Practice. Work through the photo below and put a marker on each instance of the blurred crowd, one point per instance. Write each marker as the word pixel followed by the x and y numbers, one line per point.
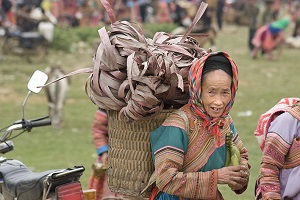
pixel 91 12
pixel 252 13
pixel 267 23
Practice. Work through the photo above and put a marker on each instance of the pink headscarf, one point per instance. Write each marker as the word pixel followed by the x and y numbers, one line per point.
pixel 265 119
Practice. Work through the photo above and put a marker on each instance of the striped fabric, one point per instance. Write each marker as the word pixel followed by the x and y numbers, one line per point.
pixel 267 117
pixel 99 129
pixel 201 143
pixel 293 157
pixel 295 110
pixel 281 153
pixel 190 170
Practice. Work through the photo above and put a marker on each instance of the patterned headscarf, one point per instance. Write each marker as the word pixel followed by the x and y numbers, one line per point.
pixel 195 80
pixel 266 118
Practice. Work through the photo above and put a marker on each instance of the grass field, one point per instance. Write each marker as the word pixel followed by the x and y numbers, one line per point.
pixel 262 83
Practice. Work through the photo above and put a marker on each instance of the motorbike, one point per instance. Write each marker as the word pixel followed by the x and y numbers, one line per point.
pixel 17 182
pixel 33 45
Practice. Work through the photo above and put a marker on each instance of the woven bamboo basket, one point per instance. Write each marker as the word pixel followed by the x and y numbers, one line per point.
pixel 129 158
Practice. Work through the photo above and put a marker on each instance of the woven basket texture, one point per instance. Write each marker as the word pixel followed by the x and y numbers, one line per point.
pixel 129 157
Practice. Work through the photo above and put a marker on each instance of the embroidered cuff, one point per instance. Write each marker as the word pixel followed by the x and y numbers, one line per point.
pixel 102 149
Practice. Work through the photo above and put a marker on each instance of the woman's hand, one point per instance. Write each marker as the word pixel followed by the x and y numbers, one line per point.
pixel 236 177
pixel 103 158
pixel 100 166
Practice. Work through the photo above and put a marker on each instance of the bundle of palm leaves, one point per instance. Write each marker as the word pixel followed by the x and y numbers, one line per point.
pixel 140 76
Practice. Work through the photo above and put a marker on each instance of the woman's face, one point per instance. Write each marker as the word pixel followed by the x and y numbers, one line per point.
pixel 216 92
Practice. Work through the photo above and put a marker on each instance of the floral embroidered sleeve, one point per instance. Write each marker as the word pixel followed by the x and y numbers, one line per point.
pixel 168 154
pixel 99 131
pixel 276 148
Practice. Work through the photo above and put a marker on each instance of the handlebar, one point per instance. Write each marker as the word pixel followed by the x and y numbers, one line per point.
pixel 32 124
pixel 25 125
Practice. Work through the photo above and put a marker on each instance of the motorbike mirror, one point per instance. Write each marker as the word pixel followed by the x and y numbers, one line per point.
pixel 38 78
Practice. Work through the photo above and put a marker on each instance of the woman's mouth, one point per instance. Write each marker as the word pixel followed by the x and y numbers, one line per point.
pixel 216 109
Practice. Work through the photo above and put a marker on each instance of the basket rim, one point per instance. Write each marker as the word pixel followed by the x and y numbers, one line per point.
pixel 125 119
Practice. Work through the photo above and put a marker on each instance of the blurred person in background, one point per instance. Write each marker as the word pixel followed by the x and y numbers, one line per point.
pixel 278 133
pixel 98 179
pixel 294 39
pixel 133 10
pixel 165 8
pixel 251 12
pixel 276 8
pixel 6 15
pixel 143 6
pixel 267 15
pixel 295 12
pixel 28 14
pixel 2 13
pixel 270 37
pixel 219 13
pixel 85 13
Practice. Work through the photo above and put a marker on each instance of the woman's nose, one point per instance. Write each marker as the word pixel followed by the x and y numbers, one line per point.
pixel 218 101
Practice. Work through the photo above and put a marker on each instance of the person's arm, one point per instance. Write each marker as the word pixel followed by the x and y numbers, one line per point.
pixel 168 162
pixel 195 185
pixel 100 133
pixel 272 162
pixel 277 145
pixel 198 185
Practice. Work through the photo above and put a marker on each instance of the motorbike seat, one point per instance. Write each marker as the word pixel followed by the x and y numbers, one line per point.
pixel 21 182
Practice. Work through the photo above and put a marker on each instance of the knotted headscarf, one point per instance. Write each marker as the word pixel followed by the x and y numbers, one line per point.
pixel 195 83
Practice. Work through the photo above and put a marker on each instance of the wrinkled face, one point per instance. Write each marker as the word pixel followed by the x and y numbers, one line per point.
pixel 216 92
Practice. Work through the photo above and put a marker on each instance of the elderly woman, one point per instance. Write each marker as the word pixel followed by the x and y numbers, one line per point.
pixel 278 134
pixel 189 156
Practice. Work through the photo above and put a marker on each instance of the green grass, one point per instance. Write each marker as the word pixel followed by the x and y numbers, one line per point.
pixel 261 84
pixel 48 148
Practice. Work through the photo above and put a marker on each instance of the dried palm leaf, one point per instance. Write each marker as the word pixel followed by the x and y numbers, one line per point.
pixel 139 76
